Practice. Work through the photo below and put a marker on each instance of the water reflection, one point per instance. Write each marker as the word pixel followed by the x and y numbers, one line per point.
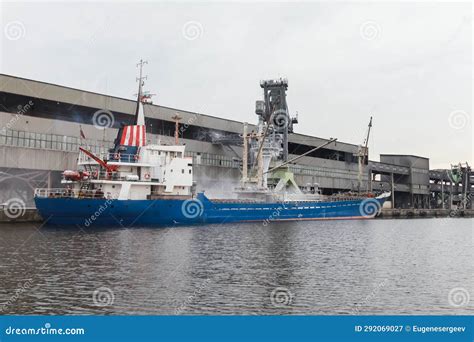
pixel 337 267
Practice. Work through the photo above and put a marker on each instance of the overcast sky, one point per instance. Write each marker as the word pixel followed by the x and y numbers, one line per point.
pixel 409 65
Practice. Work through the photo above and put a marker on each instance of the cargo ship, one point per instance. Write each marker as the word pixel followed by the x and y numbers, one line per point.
pixel 139 184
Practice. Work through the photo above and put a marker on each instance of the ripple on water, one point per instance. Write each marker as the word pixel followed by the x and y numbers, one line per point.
pixel 338 267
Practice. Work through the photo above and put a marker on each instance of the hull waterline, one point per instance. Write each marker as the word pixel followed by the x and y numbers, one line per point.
pixel 197 211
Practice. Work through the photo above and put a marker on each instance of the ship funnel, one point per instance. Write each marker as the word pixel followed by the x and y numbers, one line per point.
pixel 131 137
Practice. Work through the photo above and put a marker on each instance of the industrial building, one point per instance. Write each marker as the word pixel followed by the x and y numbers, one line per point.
pixel 42 126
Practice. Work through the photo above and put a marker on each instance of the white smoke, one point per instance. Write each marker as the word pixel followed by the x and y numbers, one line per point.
pixel 220 188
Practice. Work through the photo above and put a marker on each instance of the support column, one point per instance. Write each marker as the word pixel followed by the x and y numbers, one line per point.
pixel 442 193
pixel 451 196
pixel 369 181
pixel 245 156
pixel 260 140
pixel 392 190
pixel 465 178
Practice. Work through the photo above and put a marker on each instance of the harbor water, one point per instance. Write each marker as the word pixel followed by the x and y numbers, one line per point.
pixel 366 267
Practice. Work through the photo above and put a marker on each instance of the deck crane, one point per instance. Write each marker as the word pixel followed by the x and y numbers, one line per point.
pixel 362 155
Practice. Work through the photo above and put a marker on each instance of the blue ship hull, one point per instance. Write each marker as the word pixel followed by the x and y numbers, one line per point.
pixel 200 210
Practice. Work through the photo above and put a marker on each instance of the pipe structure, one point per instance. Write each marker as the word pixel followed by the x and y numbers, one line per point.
pixel 304 154
pixel 245 155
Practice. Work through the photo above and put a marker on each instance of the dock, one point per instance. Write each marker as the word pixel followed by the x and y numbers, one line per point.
pixel 23 216
pixel 425 213
pixel 31 215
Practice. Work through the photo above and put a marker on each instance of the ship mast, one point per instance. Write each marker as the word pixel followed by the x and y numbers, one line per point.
pixel 141 82
pixel 362 155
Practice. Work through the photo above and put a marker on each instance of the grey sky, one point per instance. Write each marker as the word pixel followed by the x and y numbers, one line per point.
pixel 409 65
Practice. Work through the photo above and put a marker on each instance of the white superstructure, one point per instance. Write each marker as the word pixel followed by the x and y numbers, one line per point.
pixel 156 170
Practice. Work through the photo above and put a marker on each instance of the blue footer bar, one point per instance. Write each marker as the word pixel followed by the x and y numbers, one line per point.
pixel 238 328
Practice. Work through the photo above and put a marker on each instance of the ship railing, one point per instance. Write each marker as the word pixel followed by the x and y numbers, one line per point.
pixel 120 157
pixel 70 193
pixel 95 175
pixel 343 198
pixel 114 176
pixel 105 175
pixel 305 198
pixel 109 157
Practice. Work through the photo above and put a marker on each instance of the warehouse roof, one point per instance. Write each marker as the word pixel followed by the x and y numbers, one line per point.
pixel 64 94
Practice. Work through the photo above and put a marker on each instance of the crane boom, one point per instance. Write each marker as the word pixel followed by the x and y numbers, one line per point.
pixel 367 138
pixel 109 168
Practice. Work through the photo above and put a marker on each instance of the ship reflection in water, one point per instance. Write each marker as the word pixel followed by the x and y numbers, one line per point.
pixel 334 267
